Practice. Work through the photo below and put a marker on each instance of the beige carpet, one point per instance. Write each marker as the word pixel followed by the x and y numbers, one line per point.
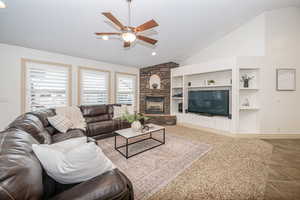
pixel 153 169
pixel 235 169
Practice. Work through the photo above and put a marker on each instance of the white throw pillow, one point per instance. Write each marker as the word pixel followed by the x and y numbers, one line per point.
pixel 69 144
pixel 72 165
pixel 129 109
pixel 118 112
pixel 61 123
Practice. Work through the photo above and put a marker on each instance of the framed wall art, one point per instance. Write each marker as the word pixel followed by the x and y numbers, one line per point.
pixel 285 79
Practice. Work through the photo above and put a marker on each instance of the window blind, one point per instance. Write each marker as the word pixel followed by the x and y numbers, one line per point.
pixel 94 87
pixel 46 86
pixel 126 85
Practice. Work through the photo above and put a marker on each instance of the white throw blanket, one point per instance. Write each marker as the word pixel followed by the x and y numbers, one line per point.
pixel 74 114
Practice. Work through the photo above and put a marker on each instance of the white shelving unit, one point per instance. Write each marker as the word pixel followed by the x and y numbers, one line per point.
pixel 249 95
pixel 249 108
pixel 249 89
pixel 249 101
pixel 177 88
pixel 198 81
pixel 226 75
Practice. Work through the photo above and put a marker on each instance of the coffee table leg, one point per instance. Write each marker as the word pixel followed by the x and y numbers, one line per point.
pixel 126 148
pixel 164 135
pixel 115 141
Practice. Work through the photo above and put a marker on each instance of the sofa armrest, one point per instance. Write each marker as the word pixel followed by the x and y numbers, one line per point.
pixel 110 185
pixel 89 139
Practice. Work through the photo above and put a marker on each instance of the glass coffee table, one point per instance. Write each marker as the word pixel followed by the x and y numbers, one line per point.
pixel 129 133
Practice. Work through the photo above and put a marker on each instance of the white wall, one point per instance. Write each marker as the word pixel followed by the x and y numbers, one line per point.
pixel 270 41
pixel 248 40
pixel 279 110
pixel 10 76
pixel 283 33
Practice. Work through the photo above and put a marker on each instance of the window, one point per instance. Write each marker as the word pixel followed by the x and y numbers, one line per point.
pixel 94 86
pixel 125 88
pixel 45 85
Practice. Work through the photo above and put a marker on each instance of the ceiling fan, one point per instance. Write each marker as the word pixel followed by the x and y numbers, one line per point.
pixel 129 33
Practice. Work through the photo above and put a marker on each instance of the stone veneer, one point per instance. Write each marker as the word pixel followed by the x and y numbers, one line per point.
pixel 164 72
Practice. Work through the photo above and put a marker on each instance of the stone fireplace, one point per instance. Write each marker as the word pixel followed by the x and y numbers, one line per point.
pixel 155 101
pixel 155 105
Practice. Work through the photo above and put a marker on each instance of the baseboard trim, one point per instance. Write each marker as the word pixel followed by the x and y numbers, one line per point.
pixel 205 129
pixel 294 135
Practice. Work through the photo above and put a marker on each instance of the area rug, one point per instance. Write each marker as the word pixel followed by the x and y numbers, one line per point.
pixel 153 169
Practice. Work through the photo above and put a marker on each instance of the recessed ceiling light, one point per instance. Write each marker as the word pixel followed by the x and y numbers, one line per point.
pixel 105 37
pixel 153 54
pixel 2 4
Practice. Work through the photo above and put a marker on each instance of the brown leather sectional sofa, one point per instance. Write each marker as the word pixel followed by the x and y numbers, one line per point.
pixel 23 178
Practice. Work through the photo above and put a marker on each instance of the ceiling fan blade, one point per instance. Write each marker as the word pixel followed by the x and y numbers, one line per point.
pixel 126 44
pixel 108 33
pixel 114 20
pixel 148 25
pixel 147 39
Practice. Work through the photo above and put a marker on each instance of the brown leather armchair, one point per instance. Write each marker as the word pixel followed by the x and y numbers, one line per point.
pixel 23 178
pixel 100 122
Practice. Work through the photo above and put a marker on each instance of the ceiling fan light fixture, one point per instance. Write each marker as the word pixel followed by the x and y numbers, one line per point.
pixel 128 37
pixel 129 33
pixel 2 4
pixel 105 37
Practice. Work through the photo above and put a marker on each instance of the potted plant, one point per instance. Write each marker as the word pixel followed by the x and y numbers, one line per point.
pixel 135 120
pixel 211 82
pixel 245 79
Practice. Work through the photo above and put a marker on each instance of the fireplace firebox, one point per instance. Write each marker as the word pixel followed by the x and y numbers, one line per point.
pixel 155 105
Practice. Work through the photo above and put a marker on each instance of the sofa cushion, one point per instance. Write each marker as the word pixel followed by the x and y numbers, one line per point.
pixel 110 185
pixel 97 128
pixel 47 137
pixel 51 130
pixel 20 170
pixel 73 133
pixel 98 118
pixel 60 123
pixel 43 115
pixel 32 125
pixel 93 110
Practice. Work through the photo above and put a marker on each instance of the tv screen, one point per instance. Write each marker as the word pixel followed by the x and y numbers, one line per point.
pixel 212 102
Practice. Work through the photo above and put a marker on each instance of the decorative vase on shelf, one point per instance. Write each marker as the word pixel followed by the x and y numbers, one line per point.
pixel 245 79
pixel 246 83
pixel 136 125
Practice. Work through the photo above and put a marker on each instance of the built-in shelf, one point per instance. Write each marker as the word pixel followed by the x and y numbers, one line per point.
pixel 177 98
pixel 245 108
pixel 209 86
pixel 249 68
pixel 248 88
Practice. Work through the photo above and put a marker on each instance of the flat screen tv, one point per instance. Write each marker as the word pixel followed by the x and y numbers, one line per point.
pixel 210 102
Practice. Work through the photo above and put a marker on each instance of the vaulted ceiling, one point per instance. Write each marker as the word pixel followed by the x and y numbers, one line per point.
pixel 67 26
